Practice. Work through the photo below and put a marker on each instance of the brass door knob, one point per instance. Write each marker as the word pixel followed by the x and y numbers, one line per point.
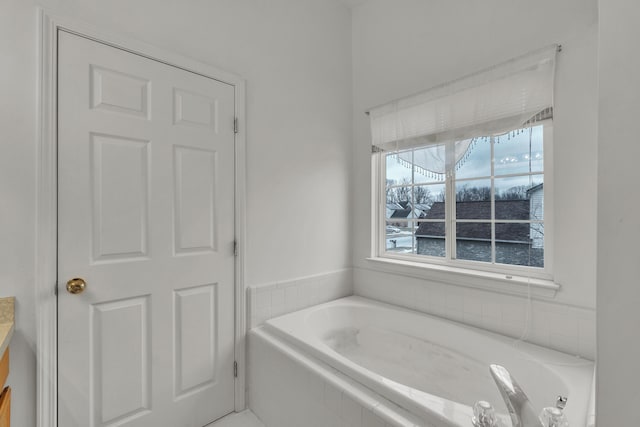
pixel 76 285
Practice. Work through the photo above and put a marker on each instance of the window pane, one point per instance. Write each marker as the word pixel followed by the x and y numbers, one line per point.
pixel 473 199
pixel 474 158
pixel 426 197
pixel 429 164
pixel 520 244
pixel 398 169
pixel 399 198
pixel 520 197
pixel 399 236
pixel 478 190
pixel 519 151
pixel 392 208
pixel 473 241
pixel 430 239
pixel 536 202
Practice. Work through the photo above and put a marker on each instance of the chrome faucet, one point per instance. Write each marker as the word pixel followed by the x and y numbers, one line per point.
pixel 520 409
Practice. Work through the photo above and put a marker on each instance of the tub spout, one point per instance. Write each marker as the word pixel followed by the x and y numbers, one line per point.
pixel 520 409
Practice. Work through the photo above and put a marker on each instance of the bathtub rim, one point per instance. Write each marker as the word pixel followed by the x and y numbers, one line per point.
pixel 374 381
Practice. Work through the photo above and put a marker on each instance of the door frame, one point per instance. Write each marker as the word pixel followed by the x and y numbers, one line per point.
pixel 46 198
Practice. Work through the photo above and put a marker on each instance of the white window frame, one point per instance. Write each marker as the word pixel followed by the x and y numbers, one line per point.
pixel 464 272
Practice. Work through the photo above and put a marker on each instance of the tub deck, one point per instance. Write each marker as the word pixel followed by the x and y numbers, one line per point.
pixel 433 367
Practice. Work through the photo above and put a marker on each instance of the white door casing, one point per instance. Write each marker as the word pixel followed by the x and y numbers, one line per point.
pixel 146 218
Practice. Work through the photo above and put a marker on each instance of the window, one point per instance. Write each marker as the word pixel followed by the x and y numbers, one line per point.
pixel 485 209
pixel 463 176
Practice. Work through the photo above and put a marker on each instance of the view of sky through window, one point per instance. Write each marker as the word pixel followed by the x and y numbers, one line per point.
pixel 498 178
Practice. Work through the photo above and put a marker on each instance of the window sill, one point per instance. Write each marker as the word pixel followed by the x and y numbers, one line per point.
pixel 496 282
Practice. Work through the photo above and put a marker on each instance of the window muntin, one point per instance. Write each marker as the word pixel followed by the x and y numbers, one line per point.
pixel 484 211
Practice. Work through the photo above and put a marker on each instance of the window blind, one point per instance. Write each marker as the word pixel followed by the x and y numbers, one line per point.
pixel 506 96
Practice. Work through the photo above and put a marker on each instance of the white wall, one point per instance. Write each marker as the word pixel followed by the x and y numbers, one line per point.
pixel 296 59
pixel 618 374
pixel 406 46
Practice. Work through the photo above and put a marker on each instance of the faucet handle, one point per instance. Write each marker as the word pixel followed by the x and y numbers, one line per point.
pixel 484 415
pixel 561 402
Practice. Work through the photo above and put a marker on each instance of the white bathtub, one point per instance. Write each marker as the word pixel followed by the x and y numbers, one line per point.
pixel 432 367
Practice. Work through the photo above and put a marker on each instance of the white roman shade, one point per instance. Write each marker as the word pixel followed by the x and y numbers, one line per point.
pixel 489 102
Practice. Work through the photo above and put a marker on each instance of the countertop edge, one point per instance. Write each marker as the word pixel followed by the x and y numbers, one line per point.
pixel 6 333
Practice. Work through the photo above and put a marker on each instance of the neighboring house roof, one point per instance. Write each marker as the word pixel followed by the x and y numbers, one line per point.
pixel 403 209
pixel 393 206
pixel 401 213
pixel 505 209
pixel 424 207
pixel 535 188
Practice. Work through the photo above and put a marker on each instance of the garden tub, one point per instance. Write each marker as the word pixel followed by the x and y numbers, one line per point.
pixel 433 367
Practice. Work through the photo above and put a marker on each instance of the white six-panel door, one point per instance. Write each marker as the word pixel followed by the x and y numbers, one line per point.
pixel 146 219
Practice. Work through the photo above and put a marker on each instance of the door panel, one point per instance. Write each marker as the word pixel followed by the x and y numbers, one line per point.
pixel 128 394
pixel 195 205
pixel 120 211
pixel 117 91
pixel 195 338
pixel 146 218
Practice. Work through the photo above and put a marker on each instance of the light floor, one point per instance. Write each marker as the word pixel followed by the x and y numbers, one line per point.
pixel 240 419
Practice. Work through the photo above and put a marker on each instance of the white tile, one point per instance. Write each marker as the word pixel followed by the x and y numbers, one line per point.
pixel 437 299
pixel 514 311
pixel 472 305
pixel 491 309
pixel 260 315
pixel 539 333
pixel 513 327
pixel 492 323
pixel 322 292
pixel 332 398
pixel 564 343
pixel 262 298
pixel 278 310
pixel 587 338
pixel 277 297
pixel 456 316
pixel 369 419
pixel 373 290
pixel 251 298
pixel 350 411
pixel 454 301
pixel 405 295
pixel 310 289
pixel 333 290
pixel 315 386
pixel 438 310
pixel 345 289
pixel 422 293
pixel 473 319
pixel 548 307
pixel 332 420
pixel 306 295
pixel 291 300
pixel 562 324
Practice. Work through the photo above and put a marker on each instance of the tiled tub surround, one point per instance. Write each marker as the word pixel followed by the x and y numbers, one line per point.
pixel 431 367
pixel 550 324
pixel 270 300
